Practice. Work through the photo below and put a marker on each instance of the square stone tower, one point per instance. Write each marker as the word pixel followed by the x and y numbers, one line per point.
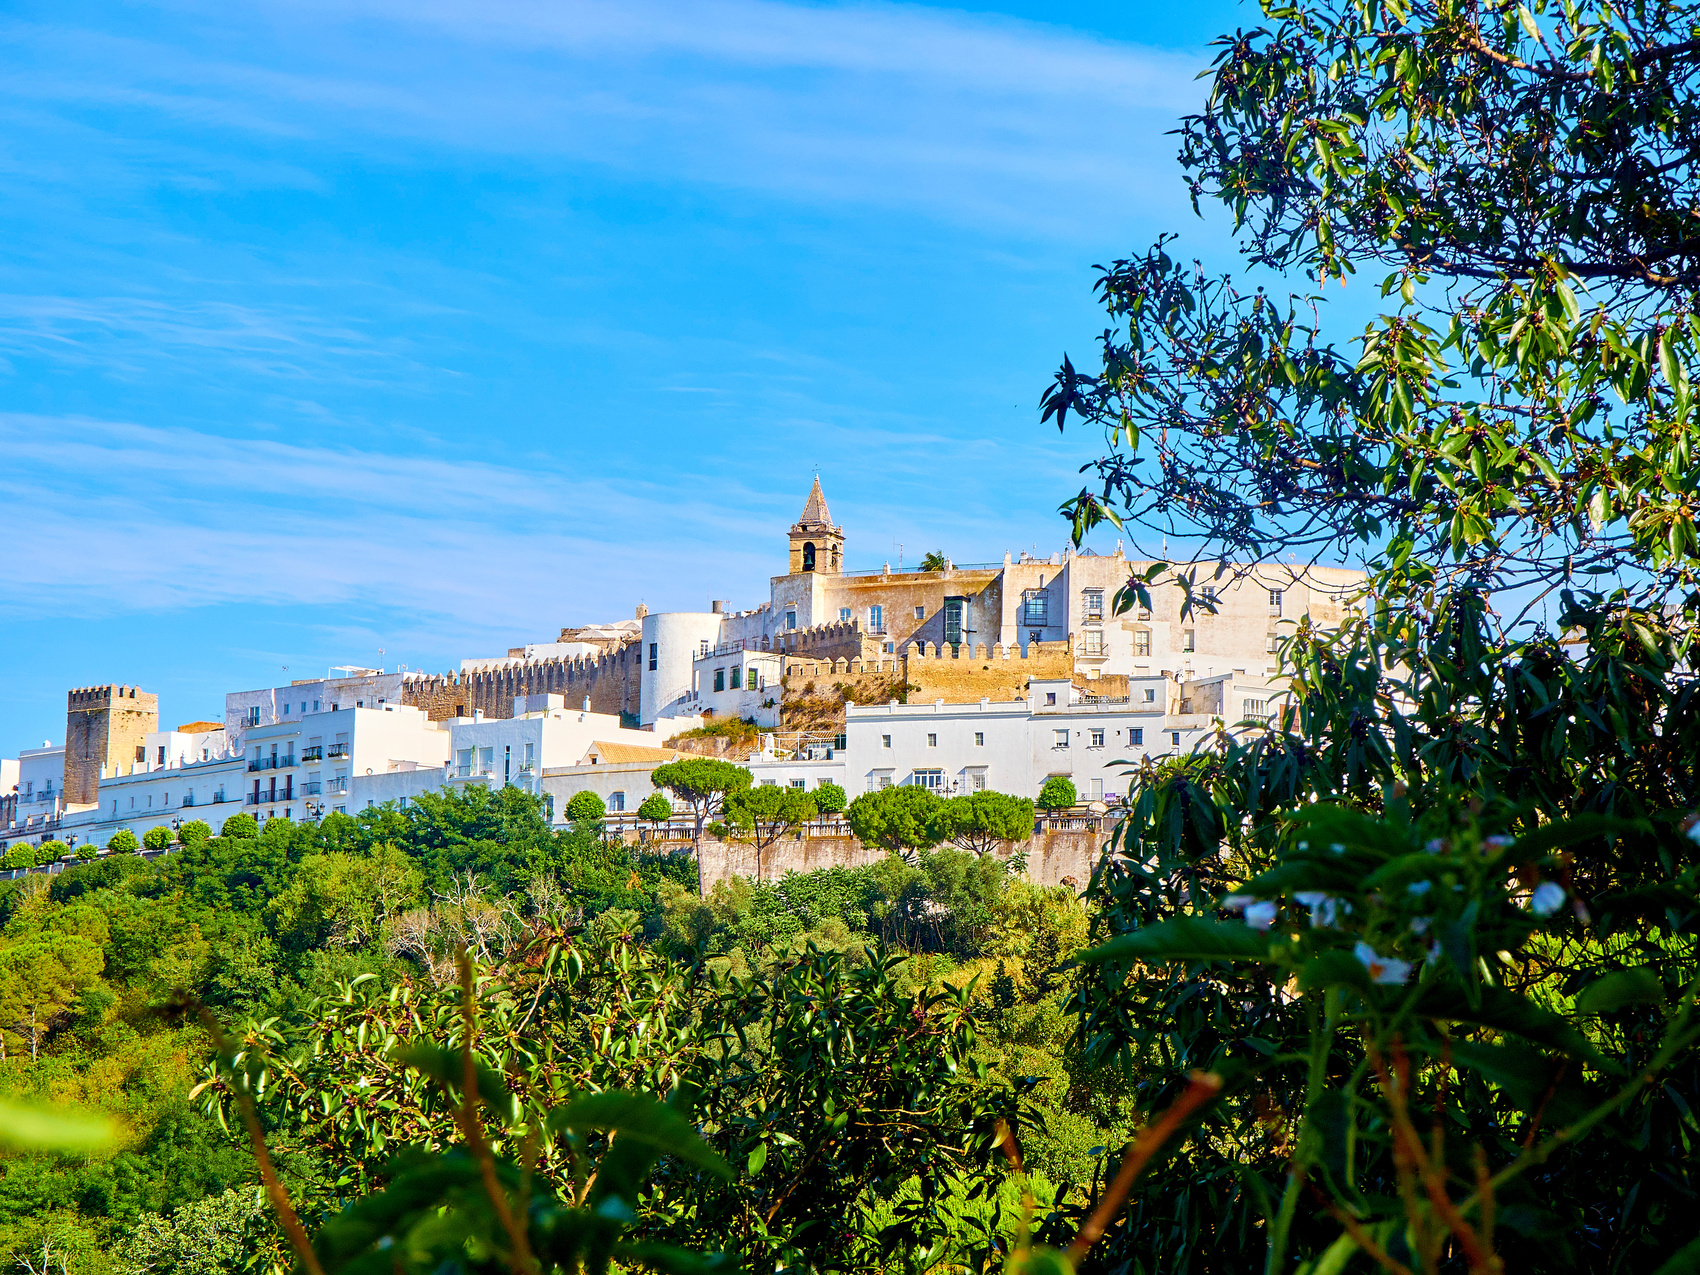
pixel 816 543
pixel 105 726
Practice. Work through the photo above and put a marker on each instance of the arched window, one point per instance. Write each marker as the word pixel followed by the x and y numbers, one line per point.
pixel 808 555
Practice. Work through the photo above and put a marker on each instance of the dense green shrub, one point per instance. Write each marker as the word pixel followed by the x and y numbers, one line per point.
pixel 194 832
pixel 830 799
pixel 655 808
pixel 157 838
pixel 586 807
pixel 122 842
pixel 242 826
pixel 1058 793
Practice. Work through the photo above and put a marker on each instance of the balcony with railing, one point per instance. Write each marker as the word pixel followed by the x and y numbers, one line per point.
pixel 1093 647
pixel 311 754
pixel 337 750
pixel 311 788
pixel 335 786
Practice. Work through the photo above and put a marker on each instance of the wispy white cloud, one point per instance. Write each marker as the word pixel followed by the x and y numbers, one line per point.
pixel 965 117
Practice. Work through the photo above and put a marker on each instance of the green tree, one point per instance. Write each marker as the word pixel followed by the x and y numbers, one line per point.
pixel 701 783
pixel 86 851
pixel 1057 793
pixel 586 807
pixel 51 851
pixel 896 819
pixel 342 900
pixel 194 832
pixel 767 813
pixel 655 808
pixel 933 562
pixel 830 799
pixel 157 838
pixel 20 854
pixel 241 826
pixel 979 821
pixel 1519 414
pixel 122 842
pixel 43 973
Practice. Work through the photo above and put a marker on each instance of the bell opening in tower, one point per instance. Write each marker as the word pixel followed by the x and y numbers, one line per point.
pixel 808 555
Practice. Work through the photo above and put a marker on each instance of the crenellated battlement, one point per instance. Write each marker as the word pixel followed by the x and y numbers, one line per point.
pixel 609 681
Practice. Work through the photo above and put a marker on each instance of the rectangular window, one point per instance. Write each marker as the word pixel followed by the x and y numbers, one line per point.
pixel 1150 694
pixel 1272 643
pixel 1144 613
pixel 1035 607
pixel 790 619
pixel 884 782
pixel 316 704
pixel 979 739
pixel 920 613
pixel 1095 789
pixel 737 678
pixel 885 741
pixel 1188 642
pixel 1050 697
pixel 1142 642
pixel 1092 603
pixel 1060 737
pixel 719 679
pixel 843 613
pixel 977 781
pixel 1257 710
pixel 1208 595
pixel 530 755
pixel 254 715
pixel 1175 738
pixel 933 779
pixel 617 802
pixel 463 763
pixel 486 760
pixel 1274 602
pixel 799 783
pixel 1138 734
pixel 1092 642
pixel 1097 737
pixel 652 650
pixel 932 741
pixel 162 754
pixel 953 621
pixel 876 619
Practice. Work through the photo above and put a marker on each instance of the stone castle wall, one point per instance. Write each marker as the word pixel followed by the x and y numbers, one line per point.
pixel 1062 857
pixel 611 682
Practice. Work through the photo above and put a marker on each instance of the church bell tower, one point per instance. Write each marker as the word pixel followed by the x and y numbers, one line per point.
pixel 816 545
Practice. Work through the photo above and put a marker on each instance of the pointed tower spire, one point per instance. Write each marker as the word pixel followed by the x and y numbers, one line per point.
pixel 815 510
pixel 816 544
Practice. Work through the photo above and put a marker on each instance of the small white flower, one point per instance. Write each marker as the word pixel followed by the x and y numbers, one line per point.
pixel 1260 915
pixel 1435 846
pixel 1547 898
pixel 1382 969
pixel 1323 909
pixel 1419 887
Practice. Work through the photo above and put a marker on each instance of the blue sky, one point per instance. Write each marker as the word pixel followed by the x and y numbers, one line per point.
pixel 431 326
